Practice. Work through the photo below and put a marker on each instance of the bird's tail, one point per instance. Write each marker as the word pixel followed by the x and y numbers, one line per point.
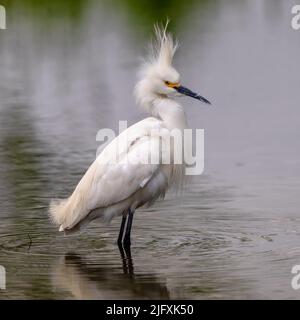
pixel 58 211
pixel 69 214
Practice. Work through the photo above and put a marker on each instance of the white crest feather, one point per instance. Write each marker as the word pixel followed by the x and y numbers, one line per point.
pixel 163 47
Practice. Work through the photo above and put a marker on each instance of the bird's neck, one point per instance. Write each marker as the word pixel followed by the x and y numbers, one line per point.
pixel 170 112
pixel 160 106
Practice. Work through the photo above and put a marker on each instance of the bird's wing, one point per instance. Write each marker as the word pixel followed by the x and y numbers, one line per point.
pixel 110 180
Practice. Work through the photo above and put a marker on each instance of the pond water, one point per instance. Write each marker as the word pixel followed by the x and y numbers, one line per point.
pixel 68 69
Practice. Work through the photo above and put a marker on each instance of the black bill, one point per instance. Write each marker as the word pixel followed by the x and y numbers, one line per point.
pixel 190 93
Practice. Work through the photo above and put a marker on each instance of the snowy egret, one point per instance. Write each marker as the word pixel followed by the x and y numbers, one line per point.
pixel 115 188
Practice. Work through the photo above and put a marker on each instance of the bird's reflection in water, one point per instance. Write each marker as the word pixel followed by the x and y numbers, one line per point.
pixel 125 252
pixel 100 280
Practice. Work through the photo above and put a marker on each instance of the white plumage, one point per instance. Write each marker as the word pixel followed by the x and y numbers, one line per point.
pixel 120 178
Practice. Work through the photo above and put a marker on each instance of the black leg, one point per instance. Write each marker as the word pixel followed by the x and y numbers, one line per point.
pixel 120 238
pixel 125 229
pixel 126 239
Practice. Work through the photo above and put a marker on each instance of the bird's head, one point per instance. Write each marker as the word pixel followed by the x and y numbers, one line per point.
pixel 158 76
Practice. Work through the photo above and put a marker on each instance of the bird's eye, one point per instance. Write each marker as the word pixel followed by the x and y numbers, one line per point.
pixel 167 83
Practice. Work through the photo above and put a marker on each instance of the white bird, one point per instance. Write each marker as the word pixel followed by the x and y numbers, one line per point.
pixel 113 185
